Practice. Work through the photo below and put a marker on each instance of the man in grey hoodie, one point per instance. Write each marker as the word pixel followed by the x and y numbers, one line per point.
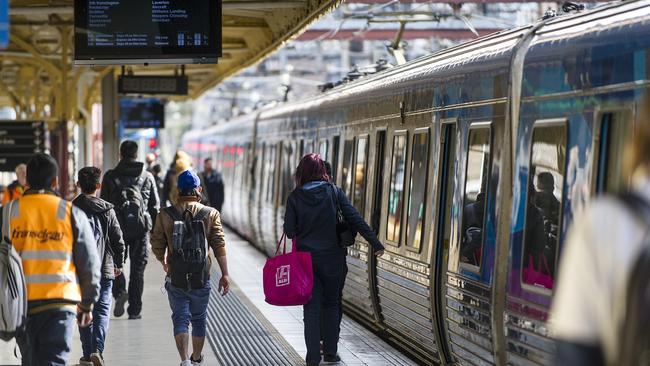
pixel 110 247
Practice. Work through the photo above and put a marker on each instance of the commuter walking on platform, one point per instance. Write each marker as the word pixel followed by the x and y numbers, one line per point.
pixel 180 241
pixel 132 190
pixel 110 248
pixel 607 253
pixel 60 263
pixel 181 163
pixel 311 218
pixel 16 188
pixel 213 184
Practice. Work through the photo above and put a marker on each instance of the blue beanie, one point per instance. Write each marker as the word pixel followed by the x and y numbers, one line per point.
pixel 187 181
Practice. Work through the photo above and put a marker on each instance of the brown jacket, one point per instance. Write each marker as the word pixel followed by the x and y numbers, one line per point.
pixel 161 239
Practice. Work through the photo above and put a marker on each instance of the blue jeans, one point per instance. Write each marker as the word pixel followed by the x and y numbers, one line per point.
pixel 94 335
pixel 189 306
pixel 48 338
pixel 322 314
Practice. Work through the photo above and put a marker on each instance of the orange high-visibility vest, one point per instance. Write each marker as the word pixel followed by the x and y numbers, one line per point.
pixel 41 232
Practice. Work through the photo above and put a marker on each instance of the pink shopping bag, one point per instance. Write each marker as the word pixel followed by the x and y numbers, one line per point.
pixel 537 276
pixel 288 278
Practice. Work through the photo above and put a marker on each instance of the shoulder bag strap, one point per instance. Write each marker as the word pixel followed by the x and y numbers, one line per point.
pixel 203 213
pixel 284 250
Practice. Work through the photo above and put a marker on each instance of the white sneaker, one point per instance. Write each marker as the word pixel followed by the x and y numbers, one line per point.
pixel 199 363
pixel 186 363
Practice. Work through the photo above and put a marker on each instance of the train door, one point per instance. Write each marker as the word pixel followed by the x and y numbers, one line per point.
pixel 448 164
pixel 468 287
pixel 358 290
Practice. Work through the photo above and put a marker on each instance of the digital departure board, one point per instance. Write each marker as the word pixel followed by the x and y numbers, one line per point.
pixel 147 31
pixel 142 113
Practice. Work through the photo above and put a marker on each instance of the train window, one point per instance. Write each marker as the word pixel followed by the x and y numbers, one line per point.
pixel 335 157
pixel 347 166
pixel 270 173
pixel 308 147
pixel 474 201
pixel 544 203
pixel 396 192
pixel 287 163
pixel 615 130
pixel 417 190
pixel 359 197
pixel 322 149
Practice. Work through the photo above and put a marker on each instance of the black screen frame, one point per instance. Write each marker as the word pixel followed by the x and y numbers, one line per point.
pixel 85 55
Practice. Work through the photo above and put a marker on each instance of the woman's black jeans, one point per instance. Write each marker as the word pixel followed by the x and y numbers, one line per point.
pixel 329 278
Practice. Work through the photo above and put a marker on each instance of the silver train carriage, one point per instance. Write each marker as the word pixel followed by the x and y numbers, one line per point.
pixel 469 163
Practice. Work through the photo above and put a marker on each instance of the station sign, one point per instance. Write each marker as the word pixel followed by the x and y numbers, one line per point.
pixel 19 141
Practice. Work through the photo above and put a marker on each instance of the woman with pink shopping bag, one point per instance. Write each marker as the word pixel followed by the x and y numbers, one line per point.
pixel 314 209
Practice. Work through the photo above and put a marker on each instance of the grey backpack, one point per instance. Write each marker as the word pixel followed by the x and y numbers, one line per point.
pixel 13 292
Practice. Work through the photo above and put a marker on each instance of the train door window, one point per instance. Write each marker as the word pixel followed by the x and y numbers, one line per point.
pixel 359 197
pixel 474 200
pixel 335 157
pixel 616 128
pixel 417 189
pixel 347 166
pixel 544 203
pixel 380 157
pixel 396 192
pixel 322 149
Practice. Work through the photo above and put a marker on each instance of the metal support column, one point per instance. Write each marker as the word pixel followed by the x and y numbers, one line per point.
pixel 110 116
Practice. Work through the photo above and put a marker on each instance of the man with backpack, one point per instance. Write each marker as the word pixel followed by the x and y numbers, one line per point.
pixel 180 241
pixel 110 248
pixel 132 190
pixel 60 268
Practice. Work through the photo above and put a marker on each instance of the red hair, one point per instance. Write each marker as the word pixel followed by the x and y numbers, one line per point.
pixel 311 168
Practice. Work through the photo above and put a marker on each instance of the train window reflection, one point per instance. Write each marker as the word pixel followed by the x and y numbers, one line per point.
pixel 396 193
pixel 322 149
pixel 417 190
pixel 615 132
pixel 347 166
pixel 359 197
pixel 543 206
pixel 474 201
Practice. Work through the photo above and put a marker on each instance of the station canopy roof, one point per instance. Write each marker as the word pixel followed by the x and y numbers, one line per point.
pixel 40 53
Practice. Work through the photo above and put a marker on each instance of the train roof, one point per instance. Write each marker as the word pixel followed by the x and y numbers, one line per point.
pixel 456 60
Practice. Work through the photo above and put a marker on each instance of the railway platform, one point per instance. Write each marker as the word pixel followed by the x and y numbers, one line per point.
pixel 243 330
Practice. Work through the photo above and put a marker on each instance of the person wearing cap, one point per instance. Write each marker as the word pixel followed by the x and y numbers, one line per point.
pixel 190 304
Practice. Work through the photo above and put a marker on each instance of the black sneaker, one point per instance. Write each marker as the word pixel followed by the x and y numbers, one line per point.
pixel 138 316
pixel 331 358
pixel 119 305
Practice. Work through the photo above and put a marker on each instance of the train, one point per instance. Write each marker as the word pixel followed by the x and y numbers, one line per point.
pixel 469 163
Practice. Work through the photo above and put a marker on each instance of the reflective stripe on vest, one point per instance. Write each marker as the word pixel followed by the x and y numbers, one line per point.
pixel 41 231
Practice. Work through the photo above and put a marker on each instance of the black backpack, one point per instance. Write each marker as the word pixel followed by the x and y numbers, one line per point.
pixel 188 259
pixel 130 206
pixel 634 339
